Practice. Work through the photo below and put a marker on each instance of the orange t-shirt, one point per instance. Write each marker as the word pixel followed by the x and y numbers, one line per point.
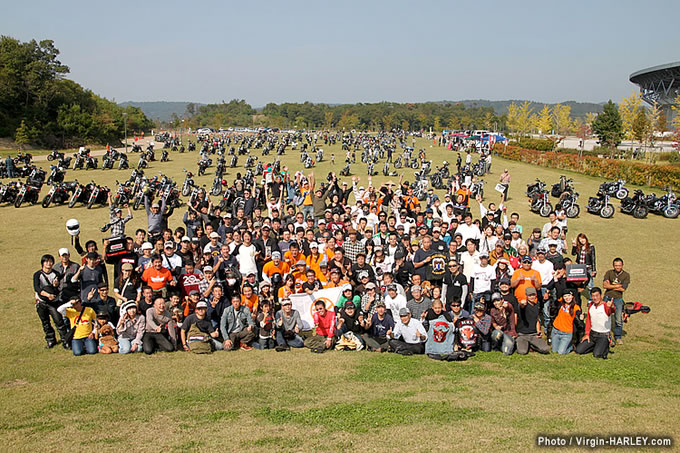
pixel 564 321
pixel 270 268
pixel 250 302
pixel 524 283
pixel 284 292
pixel 157 279
pixel 288 258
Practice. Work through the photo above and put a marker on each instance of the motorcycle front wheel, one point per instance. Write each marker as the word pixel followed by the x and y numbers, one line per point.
pixel 640 212
pixel 671 212
pixel 607 212
pixel 573 211
pixel 545 210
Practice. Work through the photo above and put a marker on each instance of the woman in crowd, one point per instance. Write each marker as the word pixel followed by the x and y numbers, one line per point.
pixel 584 253
pixel 82 320
pixel 130 329
pixel 563 324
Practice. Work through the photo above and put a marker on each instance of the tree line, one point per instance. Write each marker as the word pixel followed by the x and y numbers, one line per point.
pixel 39 105
pixel 361 116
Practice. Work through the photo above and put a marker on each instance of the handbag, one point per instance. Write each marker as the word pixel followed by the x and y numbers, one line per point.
pixel 72 331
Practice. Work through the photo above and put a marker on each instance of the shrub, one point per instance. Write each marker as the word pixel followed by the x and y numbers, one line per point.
pixel 633 172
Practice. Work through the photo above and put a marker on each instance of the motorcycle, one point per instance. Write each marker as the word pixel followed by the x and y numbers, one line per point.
pixel 188 183
pixel 203 164
pixel 234 161
pixel 108 160
pixel 91 162
pixel 56 174
pixel 79 161
pixel 600 205
pixel 59 194
pixel 371 171
pixel 564 186
pixel 27 192
pixel 319 155
pixel 55 155
pixel 8 192
pixel 535 188
pixel 635 205
pixel 615 189
pixel 123 164
pixel 541 203
pixel 165 155
pixel 397 163
pixel 143 163
pixel 98 195
pixel 568 203
pixel 81 194
pixel 217 186
pixel 477 188
pixel 345 171
pixel 64 162
pixel 664 205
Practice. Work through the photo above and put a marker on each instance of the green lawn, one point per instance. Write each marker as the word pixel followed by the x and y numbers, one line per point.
pixel 247 401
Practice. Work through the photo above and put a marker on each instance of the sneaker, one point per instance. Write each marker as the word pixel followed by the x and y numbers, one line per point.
pixel 281 348
pixel 619 341
pixel 245 347
pixel 51 345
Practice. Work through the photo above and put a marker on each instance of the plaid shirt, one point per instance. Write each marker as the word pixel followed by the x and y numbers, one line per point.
pixel 118 224
pixel 352 249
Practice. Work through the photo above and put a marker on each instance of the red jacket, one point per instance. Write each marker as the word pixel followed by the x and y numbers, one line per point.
pixel 325 325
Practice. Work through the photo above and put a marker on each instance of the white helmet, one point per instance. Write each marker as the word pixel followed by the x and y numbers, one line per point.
pixel 73 227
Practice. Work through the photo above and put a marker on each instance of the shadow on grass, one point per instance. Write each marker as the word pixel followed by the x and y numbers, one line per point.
pixel 364 416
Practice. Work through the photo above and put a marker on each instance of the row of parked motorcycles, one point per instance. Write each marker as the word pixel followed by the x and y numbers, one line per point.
pixel 638 205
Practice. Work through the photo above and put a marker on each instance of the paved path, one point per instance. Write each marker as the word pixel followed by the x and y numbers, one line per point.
pixel 100 152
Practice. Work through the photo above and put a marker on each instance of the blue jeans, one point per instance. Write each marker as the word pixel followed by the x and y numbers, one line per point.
pixel 124 346
pixel 82 345
pixel 561 341
pixel 296 342
pixel 618 316
pixel 546 307
pixel 263 343
pixel 503 341
pixel 307 211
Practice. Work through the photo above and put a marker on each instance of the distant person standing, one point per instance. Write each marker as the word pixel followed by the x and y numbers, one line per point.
pixel 505 182
pixel 616 281
pixel 9 165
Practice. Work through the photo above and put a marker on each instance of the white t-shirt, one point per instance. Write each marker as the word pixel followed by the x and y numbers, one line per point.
pixel 482 277
pixel 395 304
pixel 546 270
pixel 246 259
pixel 469 263
pixel 469 232
pixel 408 333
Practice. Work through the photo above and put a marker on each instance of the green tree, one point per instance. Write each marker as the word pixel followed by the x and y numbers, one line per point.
pixel 437 127
pixel 22 137
pixel 608 126
pixel 328 120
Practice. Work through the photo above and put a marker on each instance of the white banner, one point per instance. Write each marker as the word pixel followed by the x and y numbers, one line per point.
pixel 304 304
pixel 500 188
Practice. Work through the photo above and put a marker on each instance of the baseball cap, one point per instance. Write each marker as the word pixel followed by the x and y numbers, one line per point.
pixel 541 250
pixel 391 287
pixel 170 245
pixel 155 205
pixel 504 281
pixel 404 311
pixel 313 245
pixel 207 268
pixel 194 292
pixel 436 229
pixel 530 291
pixel 496 296
pixel 301 263
pixel 214 235
pixel 507 236
pixel 276 255
pixel 266 227
pixel 370 285
pixel 186 239
pixel 63 251
pixel 349 305
pixel 380 304
pixel 127 267
pixel 416 288
pixel 483 255
pixel 500 244
pixel 321 221
pixel 479 306
pixel 201 304
pixel 147 246
pixel 526 259
pixel 553 243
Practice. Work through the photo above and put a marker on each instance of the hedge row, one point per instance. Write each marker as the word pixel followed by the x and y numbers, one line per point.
pixel 540 144
pixel 633 172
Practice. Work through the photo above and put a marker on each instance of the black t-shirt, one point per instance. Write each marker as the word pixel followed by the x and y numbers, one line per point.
pixel 316 286
pixel 454 287
pixel 204 325
pixel 403 274
pixel 419 256
pixel 351 322
pixel 380 327
pixel 526 318
pixel 440 246
pixel 510 298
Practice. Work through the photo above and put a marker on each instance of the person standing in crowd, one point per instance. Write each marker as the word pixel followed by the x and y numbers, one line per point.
pixel 616 282
pixel 46 286
pixel 584 253
pixel 82 319
pixel 504 181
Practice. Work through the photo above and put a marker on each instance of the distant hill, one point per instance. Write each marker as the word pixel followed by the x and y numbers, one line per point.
pixel 160 110
pixel 578 109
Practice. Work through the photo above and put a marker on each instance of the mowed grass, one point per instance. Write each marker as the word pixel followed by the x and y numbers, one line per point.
pixel 244 401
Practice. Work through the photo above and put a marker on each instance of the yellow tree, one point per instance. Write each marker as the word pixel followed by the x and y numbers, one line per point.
pixel 676 109
pixel 653 115
pixel 437 127
pixel 628 110
pixel 544 120
pixel 488 121
pixel 519 118
pixel 590 117
pixel 328 120
pixel 561 116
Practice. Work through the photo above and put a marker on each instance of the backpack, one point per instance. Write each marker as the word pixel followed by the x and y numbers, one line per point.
pixel 198 342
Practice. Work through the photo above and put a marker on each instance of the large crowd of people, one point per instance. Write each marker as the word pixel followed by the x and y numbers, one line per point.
pixel 437 276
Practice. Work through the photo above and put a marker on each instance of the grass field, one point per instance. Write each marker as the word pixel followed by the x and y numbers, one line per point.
pixel 298 401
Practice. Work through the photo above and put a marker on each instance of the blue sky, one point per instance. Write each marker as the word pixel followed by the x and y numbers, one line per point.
pixel 353 51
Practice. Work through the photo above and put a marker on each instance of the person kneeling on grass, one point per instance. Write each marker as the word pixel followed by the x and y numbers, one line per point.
pixel 408 335
pixel 598 325
pixel 324 323
pixel 198 334
pixel 82 319
pixel 288 326
pixel 265 324
pixel 160 332
pixel 130 329
pixel 237 326
pixel 441 334
pixel 528 324
pixel 379 327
